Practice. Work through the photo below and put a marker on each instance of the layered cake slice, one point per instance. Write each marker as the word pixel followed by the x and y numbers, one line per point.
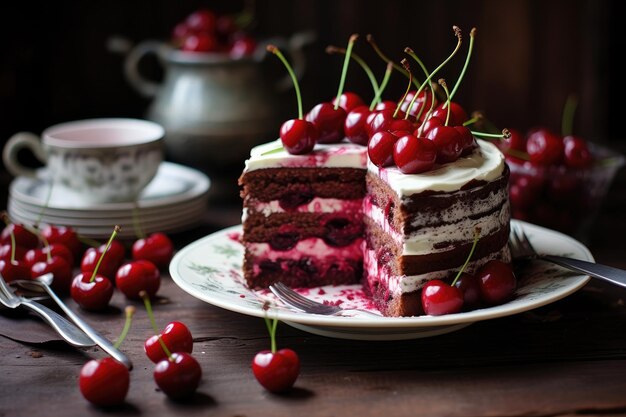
pixel 302 215
pixel 421 227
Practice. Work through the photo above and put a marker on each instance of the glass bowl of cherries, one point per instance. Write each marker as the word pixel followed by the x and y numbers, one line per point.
pixel 558 181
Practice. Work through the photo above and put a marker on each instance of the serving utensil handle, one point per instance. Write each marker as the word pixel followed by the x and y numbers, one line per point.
pixel 604 272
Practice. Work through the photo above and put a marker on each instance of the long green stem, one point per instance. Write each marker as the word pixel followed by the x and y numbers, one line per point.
pixel 467 60
pixel 457 33
pixel 443 84
pixel 273 49
pixel 504 135
pixel 358 60
pixel 383 85
pixel 116 230
pixel 406 66
pixel 344 70
pixel 385 58
pixel 148 305
pixel 476 235
pixel 130 310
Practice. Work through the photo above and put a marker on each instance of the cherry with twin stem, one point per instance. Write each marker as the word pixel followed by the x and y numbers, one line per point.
pixel 59 264
pixel 276 370
pixel 178 374
pixel 13 269
pixel 105 382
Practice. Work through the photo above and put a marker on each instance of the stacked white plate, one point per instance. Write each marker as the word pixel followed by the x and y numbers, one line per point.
pixel 175 200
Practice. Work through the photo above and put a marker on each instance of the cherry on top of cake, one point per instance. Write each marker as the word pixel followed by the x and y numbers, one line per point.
pixel 416 134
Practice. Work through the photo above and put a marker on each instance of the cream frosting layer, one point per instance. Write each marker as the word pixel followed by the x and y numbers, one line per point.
pixel 337 155
pixel 426 239
pixel 486 163
pixel 312 247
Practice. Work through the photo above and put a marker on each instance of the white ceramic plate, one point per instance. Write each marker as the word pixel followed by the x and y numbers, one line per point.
pixel 210 270
pixel 173 184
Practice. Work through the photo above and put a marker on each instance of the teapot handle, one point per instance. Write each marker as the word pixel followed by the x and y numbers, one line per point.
pixel 144 86
pixel 294 46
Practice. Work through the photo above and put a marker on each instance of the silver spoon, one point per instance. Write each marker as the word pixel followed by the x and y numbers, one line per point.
pixel 44 282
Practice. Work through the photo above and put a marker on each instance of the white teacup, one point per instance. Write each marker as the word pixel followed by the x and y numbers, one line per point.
pixel 105 160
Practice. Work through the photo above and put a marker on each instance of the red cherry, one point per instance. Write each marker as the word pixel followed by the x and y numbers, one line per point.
pixel 116 253
pixel 414 155
pixel 448 142
pixel 57 266
pixel 386 105
pixel 430 124
pixel 91 295
pixel 64 235
pixel 298 136
pixel 201 21
pixel 468 284
pixel 176 337
pixel 328 121
pixel 523 192
pixel 278 371
pixel 576 152
pixel 108 266
pixel 384 121
pixel 33 256
pixel 156 248
pixel 516 142
pixel 458 116
pixel 23 237
pixel 355 126
pixel 424 99
pixel 497 282
pixel 349 101
pixel 380 148
pixel 179 376
pixel 200 42
pixel 242 47
pixel 544 147
pixel 439 298
pixel 20 252
pixel 14 270
pixel 467 140
pixel 104 382
pixel 137 276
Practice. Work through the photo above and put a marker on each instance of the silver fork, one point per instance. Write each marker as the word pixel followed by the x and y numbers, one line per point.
pixel 522 249
pixel 72 334
pixel 292 298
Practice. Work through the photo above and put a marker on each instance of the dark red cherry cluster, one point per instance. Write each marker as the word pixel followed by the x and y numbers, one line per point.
pixel 552 179
pixel 493 284
pixel 27 253
pixel 205 31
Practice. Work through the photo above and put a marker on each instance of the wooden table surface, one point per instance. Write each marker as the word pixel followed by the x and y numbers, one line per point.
pixel 566 358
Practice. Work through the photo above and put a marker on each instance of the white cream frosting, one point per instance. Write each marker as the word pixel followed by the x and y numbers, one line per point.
pixel 486 163
pixel 337 155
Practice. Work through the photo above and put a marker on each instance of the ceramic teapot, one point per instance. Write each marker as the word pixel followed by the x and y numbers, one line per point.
pixel 214 108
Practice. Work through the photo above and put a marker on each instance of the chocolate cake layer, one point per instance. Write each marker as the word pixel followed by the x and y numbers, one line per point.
pixel 280 183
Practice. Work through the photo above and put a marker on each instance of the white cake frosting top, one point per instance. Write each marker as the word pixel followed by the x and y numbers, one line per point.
pixel 486 163
pixel 337 155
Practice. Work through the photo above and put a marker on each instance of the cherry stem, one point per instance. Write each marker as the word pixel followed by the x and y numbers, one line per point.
pixel 273 49
pixel 146 302
pixel 383 85
pixel 567 120
pixel 116 230
pixel 137 223
pixel 406 66
pixel 504 135
pixel 379 52
pixel 7 221
pixel 443 84
pixel 476 117
pixel 344 70
pixel 458 274
pixel 457 33
pixel 336 50
pixel 413 55
pixel 467 60
pixel 271 328
pixel 130 310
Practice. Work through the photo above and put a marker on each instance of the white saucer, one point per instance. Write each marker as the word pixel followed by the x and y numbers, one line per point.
pixel 175 200
pixel 210 270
